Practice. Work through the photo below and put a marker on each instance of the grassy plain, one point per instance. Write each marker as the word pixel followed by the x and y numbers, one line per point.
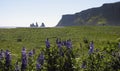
pixel 14 39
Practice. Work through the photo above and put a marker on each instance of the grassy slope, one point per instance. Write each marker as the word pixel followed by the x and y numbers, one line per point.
pixel 35 37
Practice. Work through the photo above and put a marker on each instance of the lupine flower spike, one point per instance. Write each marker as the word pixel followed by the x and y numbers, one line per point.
pixel 47 43
pixel 91 47
pixel 7 59
pixel 40 59
pixel 17 67
pixel 24 59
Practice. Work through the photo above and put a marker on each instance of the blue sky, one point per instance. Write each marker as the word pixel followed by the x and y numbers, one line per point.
pixel 24 12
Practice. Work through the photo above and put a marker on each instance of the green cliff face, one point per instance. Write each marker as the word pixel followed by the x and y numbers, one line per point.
pixel 107 14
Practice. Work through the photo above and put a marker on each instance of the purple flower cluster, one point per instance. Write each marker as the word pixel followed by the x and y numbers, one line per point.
pixel 24 59
pixel 66 43
pixel 2 54
pixel 7 59
pixel 38 67
pixel 59 43
pixel 40 61
pixel 30 54
pixel 84 64
pixel 47 43
pixel 91 47
pixel 17 67
pixel 69 44
pixel 27 58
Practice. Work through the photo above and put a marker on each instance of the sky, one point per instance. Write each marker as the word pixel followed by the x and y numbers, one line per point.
pixel 22 13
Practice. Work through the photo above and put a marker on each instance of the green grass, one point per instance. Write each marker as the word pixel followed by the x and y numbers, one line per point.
pixel 35 38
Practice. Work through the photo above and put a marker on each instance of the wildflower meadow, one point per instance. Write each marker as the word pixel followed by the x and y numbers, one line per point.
pixel 84 48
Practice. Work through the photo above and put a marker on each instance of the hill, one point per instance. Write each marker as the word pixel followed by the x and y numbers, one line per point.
pixel 107 14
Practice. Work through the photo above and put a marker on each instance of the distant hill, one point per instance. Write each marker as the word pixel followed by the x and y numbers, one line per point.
pixel 107 14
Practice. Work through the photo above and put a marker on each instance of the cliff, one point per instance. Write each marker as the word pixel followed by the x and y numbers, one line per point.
pixel 107 14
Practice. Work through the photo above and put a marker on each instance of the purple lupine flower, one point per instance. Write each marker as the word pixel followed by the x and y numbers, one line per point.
pixel 1 54
pixel 40 58
pixel 7 59
pixel 69 44
pixel 38 67
pixel 1 57
pixel 47 43
pixel 84 64
pixel 24 64
pixel 30 54
pixel 91 47
pixel 24 55
pixel 59 44
pixel 17 67
pixel 64 43
pixel 24 59
pixel 60 48
pixel 23 52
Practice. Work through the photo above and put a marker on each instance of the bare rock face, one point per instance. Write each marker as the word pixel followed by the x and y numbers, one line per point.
pixel 33 25
pixel 42 25
pixel 107 14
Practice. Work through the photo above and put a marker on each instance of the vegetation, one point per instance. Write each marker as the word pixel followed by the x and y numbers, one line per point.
pixel 31 42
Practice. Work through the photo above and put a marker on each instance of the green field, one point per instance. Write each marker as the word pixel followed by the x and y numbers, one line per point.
pixel 105 38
